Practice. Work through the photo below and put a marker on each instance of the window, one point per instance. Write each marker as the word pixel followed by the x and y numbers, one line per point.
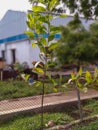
pixel 13 51
pixel 3 54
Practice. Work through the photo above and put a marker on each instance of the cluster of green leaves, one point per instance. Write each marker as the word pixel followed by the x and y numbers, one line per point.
pixel 39 23
pixel 77 80
pixel 92 79
pixel 78 45
pixel 83 80
pixel 89 8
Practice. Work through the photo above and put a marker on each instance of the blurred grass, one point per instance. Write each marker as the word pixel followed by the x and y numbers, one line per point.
pixel 33 122
pixel 18 88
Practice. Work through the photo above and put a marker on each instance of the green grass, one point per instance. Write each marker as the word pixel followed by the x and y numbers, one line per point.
pixel 92 106
pixel 15 89
pixel 91 126
pixel 33 122
pixel 18 88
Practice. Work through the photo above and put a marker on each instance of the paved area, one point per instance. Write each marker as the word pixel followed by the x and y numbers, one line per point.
pixel 8 107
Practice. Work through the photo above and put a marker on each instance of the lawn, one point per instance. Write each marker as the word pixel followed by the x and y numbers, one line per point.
pixel 18 88
pixel 91 126
pixel 33 122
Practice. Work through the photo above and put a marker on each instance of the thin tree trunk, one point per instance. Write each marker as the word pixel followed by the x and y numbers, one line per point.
pixel 42 107
pixel 79 104
pixel 78 96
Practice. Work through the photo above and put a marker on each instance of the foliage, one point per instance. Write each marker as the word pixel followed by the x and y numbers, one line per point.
pixel 78 44
pixel 92 106
pixel 39 23
pixel 92 79
pixel 33 122
pixel 79 80
pixel 16 89
pixel 88 8
pixel 91 126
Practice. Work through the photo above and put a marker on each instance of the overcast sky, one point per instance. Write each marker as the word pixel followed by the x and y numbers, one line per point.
pixel 20 5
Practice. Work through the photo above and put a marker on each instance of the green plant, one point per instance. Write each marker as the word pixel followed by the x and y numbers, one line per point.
pixel 91 126
pixel 17 89
pixel 39 23
pixel 33 122
pixel 78 81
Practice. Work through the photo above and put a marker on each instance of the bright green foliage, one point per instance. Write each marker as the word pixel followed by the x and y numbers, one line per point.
pixel 92 79
pixel 39 23
pixel 84 81
pixel 78 80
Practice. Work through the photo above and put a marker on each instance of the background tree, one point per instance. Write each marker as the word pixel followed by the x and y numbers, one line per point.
pixel 88 8
pixel 72 43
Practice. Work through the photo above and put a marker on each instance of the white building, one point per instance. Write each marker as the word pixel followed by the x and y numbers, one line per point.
pixel 14 44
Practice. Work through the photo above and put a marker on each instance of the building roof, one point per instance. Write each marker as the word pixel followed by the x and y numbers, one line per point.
pixel 13 23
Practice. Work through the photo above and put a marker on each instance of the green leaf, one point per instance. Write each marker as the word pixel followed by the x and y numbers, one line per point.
pixel 55 89
pixel 88 77
pixel 30 25
pixel 80 71
pixel 43 41
pixel 65 85
pixel 49 76
pixel 51 37
pixel 50 17
pixel 38 70
pixel 61 78
pixel 85 90
pixel 79 85
pixel 55 29
pixel 41 47
pixel 54 82
pixel 53 46
pixel 31 19
pixel 33 45
pixel 77 76
pixel 30 34
pixel 38 9
pixel 27 76
pixel 38 84
pixel 73 76
pixel 95 73
pixel 52 4
pixel 63 15
pixel 43 19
